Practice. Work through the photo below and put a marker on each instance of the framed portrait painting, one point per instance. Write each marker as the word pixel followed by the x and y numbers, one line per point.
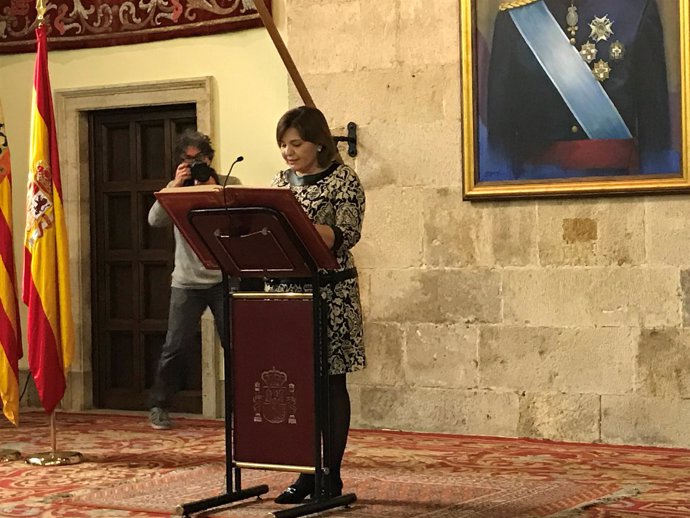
pixel 574 97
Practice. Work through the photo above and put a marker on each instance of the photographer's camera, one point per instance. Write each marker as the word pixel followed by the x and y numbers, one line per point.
pixel 200 171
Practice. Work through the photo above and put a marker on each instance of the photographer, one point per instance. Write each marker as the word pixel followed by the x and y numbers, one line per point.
pixel 194 288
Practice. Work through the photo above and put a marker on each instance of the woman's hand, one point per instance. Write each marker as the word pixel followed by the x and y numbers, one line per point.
pixel 326 234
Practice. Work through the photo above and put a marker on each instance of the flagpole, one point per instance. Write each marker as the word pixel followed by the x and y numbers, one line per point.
pixel 53 457
pixel 53 433
pixel 270 25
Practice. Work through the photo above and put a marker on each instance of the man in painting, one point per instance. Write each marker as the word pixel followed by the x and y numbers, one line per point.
pixel 578 88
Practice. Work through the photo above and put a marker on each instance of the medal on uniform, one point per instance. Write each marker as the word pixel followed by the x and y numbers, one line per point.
pixel 588 52
pixel 571 19
pixel 616 51
pixel 601 70
pixel 601 28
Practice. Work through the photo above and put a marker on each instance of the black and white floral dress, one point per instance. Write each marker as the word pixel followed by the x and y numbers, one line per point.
pixel 335 198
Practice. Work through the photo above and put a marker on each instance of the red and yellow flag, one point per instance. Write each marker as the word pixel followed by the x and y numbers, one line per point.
pixel 46 290
pixel 10 332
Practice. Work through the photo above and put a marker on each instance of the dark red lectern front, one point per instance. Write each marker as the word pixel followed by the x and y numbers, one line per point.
pixel 276 404
pixel 274 387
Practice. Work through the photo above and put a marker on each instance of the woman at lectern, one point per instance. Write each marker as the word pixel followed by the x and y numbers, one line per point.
pixel 333 198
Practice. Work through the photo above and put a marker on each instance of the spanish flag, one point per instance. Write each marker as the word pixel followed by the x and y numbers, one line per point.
pixel 10 332
pixel 46 290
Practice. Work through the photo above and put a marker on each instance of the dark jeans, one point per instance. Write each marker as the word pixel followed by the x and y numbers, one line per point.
pixel 186 308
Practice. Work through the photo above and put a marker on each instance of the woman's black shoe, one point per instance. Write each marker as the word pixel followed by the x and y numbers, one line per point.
pixel 298 491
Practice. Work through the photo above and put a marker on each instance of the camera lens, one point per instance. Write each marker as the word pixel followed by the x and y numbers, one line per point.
pixel 201 171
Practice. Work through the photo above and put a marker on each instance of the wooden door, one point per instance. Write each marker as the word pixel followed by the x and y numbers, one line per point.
pixel 132 155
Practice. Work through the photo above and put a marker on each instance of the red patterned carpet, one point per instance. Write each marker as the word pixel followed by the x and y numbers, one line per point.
pixel 129 466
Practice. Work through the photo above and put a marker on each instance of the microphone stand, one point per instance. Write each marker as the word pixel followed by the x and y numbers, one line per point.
pixel 225 182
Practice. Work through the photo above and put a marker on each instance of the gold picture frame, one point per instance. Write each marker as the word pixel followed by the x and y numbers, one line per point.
pixel 515 138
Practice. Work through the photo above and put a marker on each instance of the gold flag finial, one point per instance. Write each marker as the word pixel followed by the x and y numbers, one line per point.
pixel 40 11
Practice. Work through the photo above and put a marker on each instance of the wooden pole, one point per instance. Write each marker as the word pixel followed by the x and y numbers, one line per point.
pixel 284 54
pixel 270 25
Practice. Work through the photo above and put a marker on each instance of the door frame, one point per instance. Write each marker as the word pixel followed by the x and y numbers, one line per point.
pixel 72 107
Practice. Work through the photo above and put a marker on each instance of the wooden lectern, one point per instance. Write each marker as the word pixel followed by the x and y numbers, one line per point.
pixel 276 387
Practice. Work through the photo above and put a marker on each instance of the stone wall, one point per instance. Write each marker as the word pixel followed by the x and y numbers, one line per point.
pixel 559 319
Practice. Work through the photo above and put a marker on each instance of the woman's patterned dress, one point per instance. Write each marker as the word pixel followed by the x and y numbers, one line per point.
pixel 335 198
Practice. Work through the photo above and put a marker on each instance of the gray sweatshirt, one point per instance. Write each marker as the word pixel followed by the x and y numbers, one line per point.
pixel 189 272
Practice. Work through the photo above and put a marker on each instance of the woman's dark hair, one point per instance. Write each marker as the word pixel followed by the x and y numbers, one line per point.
pixel 311 125
pixel 197 139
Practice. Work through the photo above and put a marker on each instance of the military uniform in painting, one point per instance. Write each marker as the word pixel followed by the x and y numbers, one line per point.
pixel 335 198
pixel 578 88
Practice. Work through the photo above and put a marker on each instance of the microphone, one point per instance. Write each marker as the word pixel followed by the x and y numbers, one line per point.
pixel 225 202
pixel 238 159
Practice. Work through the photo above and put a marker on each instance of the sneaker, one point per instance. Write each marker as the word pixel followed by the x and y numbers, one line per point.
pixel 159 419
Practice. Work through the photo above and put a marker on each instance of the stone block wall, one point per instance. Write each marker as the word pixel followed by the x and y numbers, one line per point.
pixel 560 319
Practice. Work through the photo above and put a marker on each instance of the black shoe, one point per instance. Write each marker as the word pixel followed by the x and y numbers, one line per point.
pixel 298 491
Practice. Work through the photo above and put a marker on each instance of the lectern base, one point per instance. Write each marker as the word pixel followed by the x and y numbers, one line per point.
pixel 217 501
pixel 315 507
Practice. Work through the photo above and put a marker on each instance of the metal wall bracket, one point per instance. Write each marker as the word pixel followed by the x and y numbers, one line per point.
pixel 351 139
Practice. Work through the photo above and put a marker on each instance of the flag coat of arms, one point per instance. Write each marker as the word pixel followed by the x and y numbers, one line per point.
pixel 10 331
pixel 46 281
